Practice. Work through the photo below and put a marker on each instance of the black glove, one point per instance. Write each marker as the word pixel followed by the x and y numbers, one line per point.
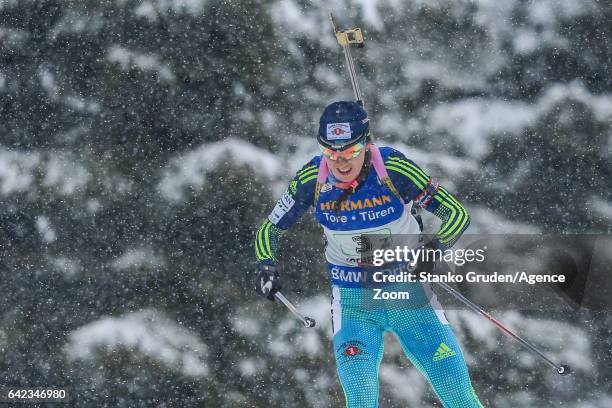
pixel 267 282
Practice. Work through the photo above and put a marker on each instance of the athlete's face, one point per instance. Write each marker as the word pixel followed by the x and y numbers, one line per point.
pixel 347 170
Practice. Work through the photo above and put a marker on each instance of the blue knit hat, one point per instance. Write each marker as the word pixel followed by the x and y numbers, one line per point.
pixel 343 124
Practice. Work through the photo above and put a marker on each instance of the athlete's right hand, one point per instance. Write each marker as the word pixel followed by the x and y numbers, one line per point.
pixel 267 282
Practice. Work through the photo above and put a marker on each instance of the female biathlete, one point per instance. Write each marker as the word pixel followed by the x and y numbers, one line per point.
pixel 358 190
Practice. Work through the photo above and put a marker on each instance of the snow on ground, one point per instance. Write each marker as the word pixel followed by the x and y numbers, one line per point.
pixel 147 332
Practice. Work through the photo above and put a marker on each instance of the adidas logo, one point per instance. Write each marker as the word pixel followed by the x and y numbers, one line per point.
pixel 443 352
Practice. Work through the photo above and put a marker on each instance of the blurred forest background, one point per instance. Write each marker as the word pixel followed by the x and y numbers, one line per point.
pixel 142 143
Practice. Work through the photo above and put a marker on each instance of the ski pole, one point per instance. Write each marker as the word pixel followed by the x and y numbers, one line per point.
pixel 345 39
pixel 307 321
pixel 562 369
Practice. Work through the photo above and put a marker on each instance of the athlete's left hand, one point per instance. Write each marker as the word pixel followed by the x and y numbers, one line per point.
pixel 267 281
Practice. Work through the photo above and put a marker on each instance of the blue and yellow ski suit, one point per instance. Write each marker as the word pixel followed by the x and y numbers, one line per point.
pixel 359 322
